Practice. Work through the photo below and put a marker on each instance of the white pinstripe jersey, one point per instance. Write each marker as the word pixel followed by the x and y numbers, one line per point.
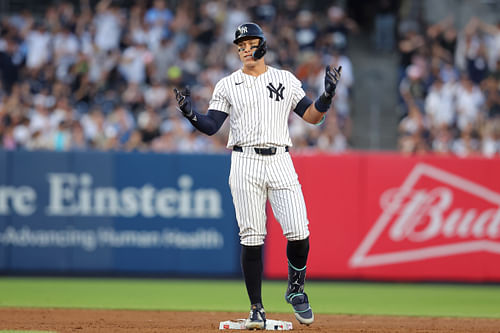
pixel 258 107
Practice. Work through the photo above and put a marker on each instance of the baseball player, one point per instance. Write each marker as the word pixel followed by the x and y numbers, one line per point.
pixel 258 100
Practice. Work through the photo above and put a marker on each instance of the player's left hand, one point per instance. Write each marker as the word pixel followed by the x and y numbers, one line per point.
pixel 184 101
pixel 332 77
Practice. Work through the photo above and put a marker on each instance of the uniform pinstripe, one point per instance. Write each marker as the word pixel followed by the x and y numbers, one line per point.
pixel 258 109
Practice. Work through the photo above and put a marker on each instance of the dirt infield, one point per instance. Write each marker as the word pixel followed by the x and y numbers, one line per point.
pixel 76 320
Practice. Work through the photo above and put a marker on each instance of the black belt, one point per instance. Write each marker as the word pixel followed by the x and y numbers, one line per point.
pixel 261 151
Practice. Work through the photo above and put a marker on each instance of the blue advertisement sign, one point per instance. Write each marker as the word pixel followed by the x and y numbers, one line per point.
pixel 118 213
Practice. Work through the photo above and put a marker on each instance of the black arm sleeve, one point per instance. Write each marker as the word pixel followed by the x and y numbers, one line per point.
pixel 208 123
pixel 302 106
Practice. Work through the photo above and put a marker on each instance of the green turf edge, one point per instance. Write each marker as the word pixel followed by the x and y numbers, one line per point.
pixel 435 300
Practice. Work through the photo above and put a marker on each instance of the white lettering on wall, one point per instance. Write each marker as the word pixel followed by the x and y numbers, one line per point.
pixel 76 195
pixel 18 200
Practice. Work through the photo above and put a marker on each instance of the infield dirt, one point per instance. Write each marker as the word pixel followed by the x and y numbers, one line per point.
pixel 81 320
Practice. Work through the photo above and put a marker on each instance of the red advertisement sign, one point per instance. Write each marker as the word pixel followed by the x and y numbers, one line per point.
pixel 390 217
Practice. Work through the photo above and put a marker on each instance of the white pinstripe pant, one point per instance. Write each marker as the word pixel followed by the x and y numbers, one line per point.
pixel 254 179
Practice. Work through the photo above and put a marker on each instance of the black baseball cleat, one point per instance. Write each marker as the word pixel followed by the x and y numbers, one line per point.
pixel 257 318
pixel 301 307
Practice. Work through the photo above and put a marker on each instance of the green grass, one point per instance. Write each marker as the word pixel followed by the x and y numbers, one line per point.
pixel 230 295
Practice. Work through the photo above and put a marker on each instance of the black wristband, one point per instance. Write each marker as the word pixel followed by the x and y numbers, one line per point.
pixel 190 115
pixel 323 102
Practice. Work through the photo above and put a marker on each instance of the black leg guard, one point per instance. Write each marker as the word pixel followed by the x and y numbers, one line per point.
pixel 251 265
pixel 297 252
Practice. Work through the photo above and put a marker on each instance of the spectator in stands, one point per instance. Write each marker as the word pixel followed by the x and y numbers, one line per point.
pixel 135 143
pixel 443 35
pixel 442 140
pixel 9 68
pixel 413 88
pixel 159 17
pixel 264 11
pixel 491 34
pixel 149 125
pixel 134 61
pixel 94 126
pixel 78 140
pixel 477 63
pixel 40 116
pixel 38 47
pixel 411 43
pixel 108 22
pixel 60 139
pixel 439 105
pixel 165 57
pixel 491 88
pixel 21 131
pixel 65 51
pixel 338 27
pixel 332 138
pixel 466 144
pixel 413 130
pixel 306 32
pixel 460 111
pixel 166 142
pixel 9 142
pixel 469 104
pixel 133 96
pixel 122 123
pixel 490 138
pixel 204 30
pixel 495 73
pixel 100 77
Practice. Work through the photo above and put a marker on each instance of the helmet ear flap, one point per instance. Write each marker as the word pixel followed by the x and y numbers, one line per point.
pixel 261 50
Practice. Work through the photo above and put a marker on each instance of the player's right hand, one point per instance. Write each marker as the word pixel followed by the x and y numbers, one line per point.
pixel 184 102
pixel 332 77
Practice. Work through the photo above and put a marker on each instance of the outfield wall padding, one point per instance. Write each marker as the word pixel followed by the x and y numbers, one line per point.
pixel 373 216
pixel 85 212
pixel 383 216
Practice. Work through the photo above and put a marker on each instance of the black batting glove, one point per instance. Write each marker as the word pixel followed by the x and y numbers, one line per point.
pixel 332 77
pixel 184 102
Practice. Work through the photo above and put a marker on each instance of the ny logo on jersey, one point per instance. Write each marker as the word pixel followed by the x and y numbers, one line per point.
pixel 243 29
pixel 278 92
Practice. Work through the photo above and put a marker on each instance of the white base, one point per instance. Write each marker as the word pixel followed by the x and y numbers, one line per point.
pixel 271 325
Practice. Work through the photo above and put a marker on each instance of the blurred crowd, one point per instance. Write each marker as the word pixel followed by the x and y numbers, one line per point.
pixel 101 77
pixel 449 87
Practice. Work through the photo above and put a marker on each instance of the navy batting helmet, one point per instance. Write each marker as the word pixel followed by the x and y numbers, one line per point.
pixel 250 29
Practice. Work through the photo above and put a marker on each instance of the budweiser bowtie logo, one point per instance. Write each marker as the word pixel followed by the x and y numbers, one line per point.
pixel 433 214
